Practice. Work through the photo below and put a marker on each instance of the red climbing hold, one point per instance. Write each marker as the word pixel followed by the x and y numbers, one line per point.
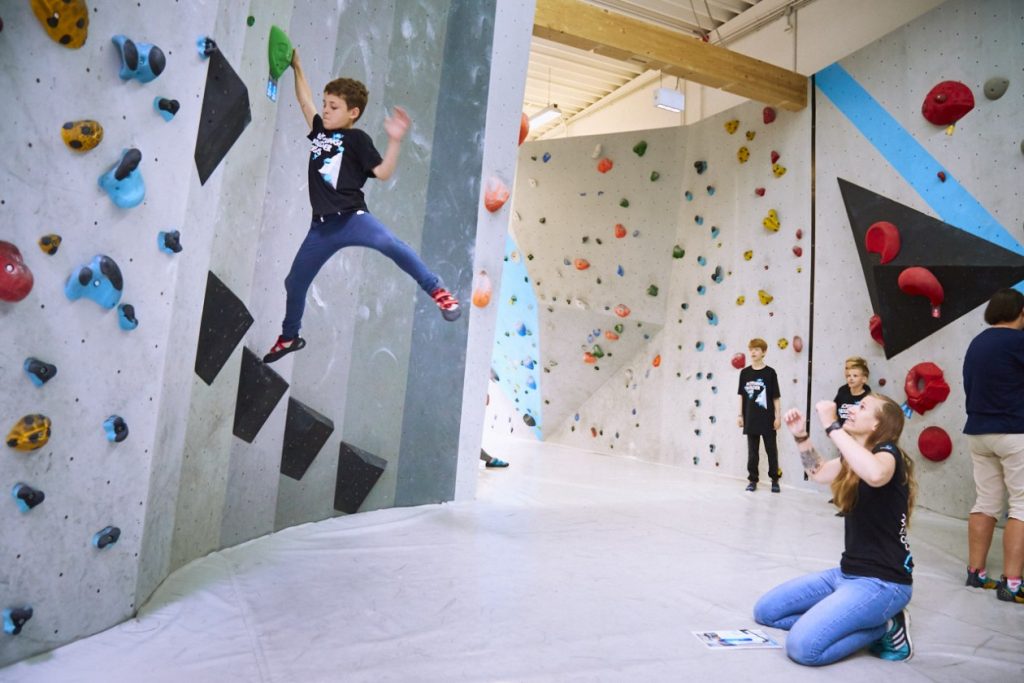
pixel 798 251
pixel 496 194
pixel 581 264
pixel 947 103
pixel 739 361
pixel 935 444
pixel 620 230
pixel 883 238
pixel 524 127
pixel 798 343
pixel 918 281
pixel 942 176
pixel 15 278
pixel 775 156
pixel 875 326
pixel 593 432
pixel 926 387
pixel 759 191
pixel 604 165
pixel 799 233
pixel 768 115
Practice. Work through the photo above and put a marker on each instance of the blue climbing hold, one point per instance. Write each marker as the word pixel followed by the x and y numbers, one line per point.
pixel 699 220
pixel 546 157
pixel 700 346
pixel 126 317
pixel 141 61
pixel 39 372
pixel 712 318
pixel 106 537
pixel 521 330
pixel 688 195
pixel 715 232
pixel 123 182
pixel 167 108
pixel 115 428
pixel 619 271
pixel 531 383
pixel 702 261
pixel 700 166
pixel 27 497
pixel 100 281
pixel 15 618
pixel 701 289
pixel 576 417
pixel 717 276
pixel 721 346
pixel 711 190
pixel 700 375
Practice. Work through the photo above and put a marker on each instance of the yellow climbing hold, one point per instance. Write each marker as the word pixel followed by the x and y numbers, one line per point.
pixel 29 433
pixel 732 126
pixel 765 297
pixel 783 343
pixel 778 170
pixel 743 155
pixel 81 136
pixel 748 254
pixel 740 300
pixel 771 221
pixel 65 21
pixel 751 135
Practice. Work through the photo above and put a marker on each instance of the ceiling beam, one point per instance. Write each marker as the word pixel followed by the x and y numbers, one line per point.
pixel 584 26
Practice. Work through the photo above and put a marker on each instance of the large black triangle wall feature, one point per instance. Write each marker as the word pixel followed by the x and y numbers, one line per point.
pixel 969 268
pixel 358 472
pixel 259 390
pixel 225 115
pixel 305 433
pixel 225 321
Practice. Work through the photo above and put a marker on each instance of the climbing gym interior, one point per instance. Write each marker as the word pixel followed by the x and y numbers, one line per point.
pixel 838 179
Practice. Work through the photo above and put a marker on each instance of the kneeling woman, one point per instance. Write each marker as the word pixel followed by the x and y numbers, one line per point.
pixel 834 613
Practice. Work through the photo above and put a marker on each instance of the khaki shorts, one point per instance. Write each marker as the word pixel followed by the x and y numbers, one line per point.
pixel 998 473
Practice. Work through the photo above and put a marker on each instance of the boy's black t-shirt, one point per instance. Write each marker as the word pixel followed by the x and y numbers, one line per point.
pixel 340 161
pixel 876 528
pixel 758 388
pixel 846 400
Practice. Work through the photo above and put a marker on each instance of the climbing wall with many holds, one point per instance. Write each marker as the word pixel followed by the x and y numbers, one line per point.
pixel 947 181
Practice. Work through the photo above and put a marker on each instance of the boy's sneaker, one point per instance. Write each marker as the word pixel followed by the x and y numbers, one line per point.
pixel 895 645
pixel 282 347
pixel 448 304
pixel 975 581
pixel 751 486
pixel 775 487
pixel 1004 594
pixel 496 462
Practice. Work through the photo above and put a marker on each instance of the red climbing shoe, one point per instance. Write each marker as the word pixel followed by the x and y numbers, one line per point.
pixel 448 304
pixel 282 347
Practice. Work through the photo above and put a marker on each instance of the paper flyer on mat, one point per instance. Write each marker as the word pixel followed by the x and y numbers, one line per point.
pixel 741 639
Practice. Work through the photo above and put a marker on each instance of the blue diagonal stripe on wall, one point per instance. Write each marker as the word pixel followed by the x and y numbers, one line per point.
pixel 950 200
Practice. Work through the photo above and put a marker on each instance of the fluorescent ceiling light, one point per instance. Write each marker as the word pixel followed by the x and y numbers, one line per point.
pixel 669 100
pixel 545 115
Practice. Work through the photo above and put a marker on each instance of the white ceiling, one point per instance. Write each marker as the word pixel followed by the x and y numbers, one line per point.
pixel 575 79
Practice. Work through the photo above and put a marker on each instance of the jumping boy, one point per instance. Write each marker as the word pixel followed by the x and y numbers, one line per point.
pixel 760 413
pixel 341 159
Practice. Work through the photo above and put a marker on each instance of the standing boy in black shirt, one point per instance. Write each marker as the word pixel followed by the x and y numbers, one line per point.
pixel 759 413
pixel 341 159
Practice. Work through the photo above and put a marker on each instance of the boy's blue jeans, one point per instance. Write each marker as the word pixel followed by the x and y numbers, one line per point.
pixel 830 615
pixel 332 233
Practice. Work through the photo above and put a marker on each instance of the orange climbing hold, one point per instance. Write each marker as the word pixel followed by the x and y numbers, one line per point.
pixel 581 264
pixel 482 290
pixel 589 358
pixel 620 230
pixel 604 165
pixel 918 281
pixel 657 360
pixel 496 194
pixel 524 127
pixel 883 238
pixel 611 336
pixel 622 311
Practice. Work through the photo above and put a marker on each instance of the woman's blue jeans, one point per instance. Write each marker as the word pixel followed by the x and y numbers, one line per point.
pixel 335 232
pixel 830 615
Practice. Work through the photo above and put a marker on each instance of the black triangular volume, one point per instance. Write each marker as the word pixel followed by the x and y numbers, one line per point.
pixel 968 267
pixel 225 321
pixel 225 115
pixel 358 472
pixel 305 433
pixel 259 390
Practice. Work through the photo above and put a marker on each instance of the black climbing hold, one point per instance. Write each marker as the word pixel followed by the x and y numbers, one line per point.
pixel 126 317
pixel 259 391
pixel 27 497
pixel 129 162
pixel 700 166
pixel 529 420
pixel 106 537
pixel 305 433
pixel 15 618
pixel 115 428
pixel 130 54
pixel 224 323
pixel 39 371
pixel 494 376
pixel 169 242
pixel 358 472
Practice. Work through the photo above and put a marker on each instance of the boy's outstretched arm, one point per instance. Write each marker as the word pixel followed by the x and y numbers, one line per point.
pixel 302 92
pixel 396 126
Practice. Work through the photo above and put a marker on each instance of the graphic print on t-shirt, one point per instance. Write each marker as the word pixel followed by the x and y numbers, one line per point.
pixel 756 392
pixel 332 149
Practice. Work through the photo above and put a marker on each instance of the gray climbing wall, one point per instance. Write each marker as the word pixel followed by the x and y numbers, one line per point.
pixel 201 468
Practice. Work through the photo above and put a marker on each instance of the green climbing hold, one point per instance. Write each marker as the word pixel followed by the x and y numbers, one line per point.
pixel 640 148
pixel 279 50
pixel 619 327
pixel 624 203
pixel 654 176
pixel 251 20
pixel 678 252
pixel 652 290
pixel 597 351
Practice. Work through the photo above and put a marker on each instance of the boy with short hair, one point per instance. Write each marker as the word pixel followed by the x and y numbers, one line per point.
pixel 341 159
pixel 760 413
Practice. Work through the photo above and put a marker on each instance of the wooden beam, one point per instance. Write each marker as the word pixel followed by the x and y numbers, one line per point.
pixel 587 27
